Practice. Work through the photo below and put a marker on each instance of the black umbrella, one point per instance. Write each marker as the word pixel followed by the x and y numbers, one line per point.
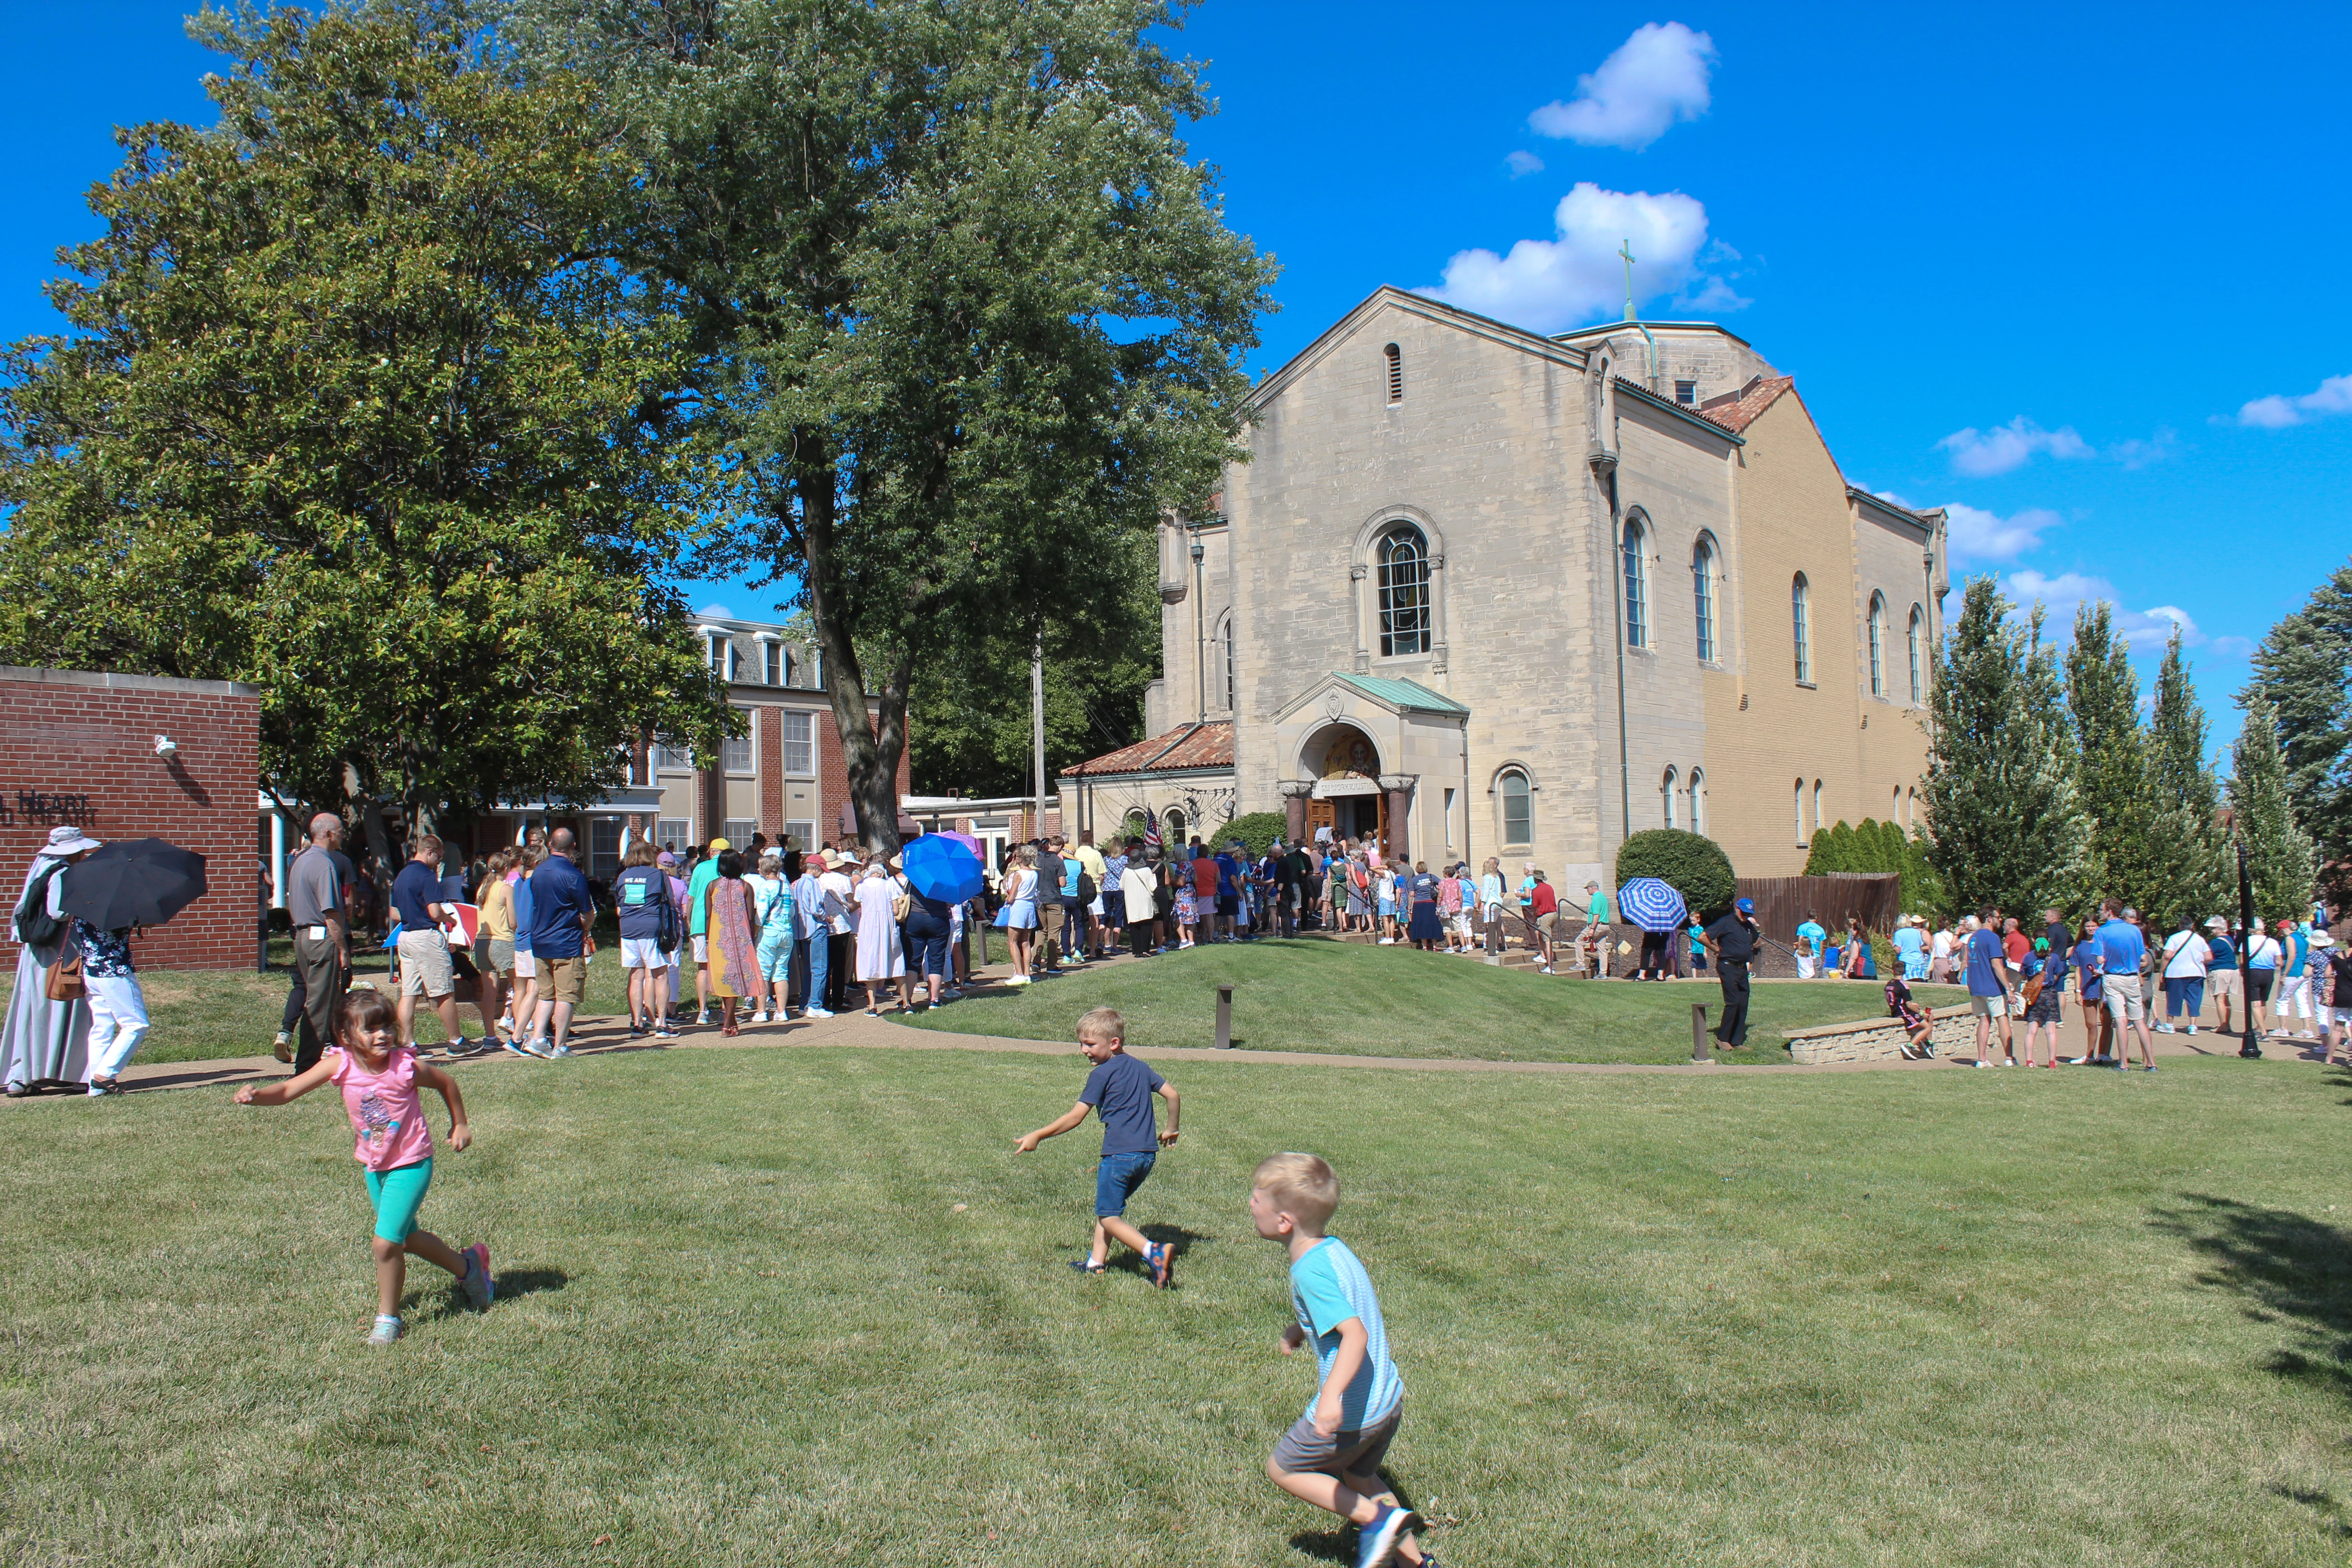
pixel 134 882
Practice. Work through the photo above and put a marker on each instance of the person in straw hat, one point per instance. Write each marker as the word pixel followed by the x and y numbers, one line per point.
pixel 45 1042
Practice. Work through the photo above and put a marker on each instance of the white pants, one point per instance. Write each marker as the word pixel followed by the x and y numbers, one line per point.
pixel 118 1022
pixel 2294 991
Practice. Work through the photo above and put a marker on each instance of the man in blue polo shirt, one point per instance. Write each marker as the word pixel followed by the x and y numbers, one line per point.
pixel 561 915
pixel 1988 978
pixel 2121 950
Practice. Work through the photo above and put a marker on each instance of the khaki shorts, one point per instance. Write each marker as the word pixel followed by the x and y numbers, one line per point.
pixel 425 965
pixel 2222 983
pixel 564 979
pixel 2119 994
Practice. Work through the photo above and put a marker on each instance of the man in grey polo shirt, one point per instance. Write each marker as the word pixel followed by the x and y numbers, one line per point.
pixel 323 937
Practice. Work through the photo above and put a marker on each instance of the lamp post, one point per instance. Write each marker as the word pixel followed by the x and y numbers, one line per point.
pixel 2251 1046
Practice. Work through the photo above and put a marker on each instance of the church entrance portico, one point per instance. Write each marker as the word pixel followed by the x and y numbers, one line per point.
pixel 1355 748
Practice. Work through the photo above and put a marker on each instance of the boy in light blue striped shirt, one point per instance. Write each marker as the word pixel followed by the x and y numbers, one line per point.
pixel 1331 1457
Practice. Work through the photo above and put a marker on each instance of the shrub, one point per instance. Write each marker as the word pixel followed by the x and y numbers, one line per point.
pixel 1258 830
pixel 1691 865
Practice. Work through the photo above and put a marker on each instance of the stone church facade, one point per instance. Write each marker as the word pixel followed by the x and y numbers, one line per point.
pixel 1482 592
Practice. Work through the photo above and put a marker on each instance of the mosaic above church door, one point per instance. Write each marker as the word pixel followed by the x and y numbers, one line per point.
pixel 1351 754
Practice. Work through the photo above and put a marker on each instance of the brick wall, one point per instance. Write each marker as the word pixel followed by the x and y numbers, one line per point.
pixel 91 737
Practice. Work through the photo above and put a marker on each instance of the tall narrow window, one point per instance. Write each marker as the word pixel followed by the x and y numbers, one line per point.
pixel 1919 641
pixel 1667 797
pixel 1802 839
pixel 1878 644
pixel 1698 800
pixel 1637 588
pixel 1519 813
pixel 1396 374
pixel 773 655
pixel 1229 664
pixel 1818 823
pixel 1798 594
pixel 736 750
pixel 1404 591
pixel 800 744
pixel 1703 597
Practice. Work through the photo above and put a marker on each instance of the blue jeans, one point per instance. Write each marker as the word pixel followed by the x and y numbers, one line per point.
pixel 2186 992
pixel 1116 1180
pixel 820 949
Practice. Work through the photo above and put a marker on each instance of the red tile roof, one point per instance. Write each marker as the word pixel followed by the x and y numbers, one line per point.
pixel 1209 745
pixel 1737 411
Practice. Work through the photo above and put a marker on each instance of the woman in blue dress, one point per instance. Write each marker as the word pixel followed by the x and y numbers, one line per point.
pixel 1020 913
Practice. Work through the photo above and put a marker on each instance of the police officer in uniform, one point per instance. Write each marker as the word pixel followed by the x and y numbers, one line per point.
pixel 1732 941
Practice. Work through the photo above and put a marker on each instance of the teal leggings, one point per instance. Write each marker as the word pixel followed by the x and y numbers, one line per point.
pixel 397 1195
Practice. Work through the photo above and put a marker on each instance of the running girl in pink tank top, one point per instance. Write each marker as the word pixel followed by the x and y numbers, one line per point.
pixel 380 1080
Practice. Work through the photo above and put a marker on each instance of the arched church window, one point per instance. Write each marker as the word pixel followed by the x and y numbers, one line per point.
pixel 1703 597
pixel 1802 839
pixel 1404 591
pixel 1175 830
pixel 1878 644
pixel 1229 663
pixel 1919 641
pixel 1396 374
pixel 1667 796
pixel 1698 800
pixel 1798 596
pixel 1518 808
pixel 1637 585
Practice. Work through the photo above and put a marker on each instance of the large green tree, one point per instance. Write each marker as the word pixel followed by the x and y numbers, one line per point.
pixel 2180 859
pixel 2279 859
pixel 2111 774
pixel 2304 672
pixel 967 318
pixel 2008 826
pixel 346 413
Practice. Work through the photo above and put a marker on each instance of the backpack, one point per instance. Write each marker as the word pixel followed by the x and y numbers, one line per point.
pixel 669 925
pixel 36 927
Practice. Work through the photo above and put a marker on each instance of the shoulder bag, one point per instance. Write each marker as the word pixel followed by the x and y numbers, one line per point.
pixel 64 979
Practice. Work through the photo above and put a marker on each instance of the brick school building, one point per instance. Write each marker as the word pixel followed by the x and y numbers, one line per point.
pixel 138 756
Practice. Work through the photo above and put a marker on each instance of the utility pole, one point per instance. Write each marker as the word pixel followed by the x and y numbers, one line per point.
pixel 1037 720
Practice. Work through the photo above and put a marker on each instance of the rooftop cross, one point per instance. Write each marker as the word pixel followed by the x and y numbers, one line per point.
pixel 1626 249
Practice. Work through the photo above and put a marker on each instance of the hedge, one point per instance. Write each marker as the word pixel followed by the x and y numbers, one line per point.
pixel 1691 864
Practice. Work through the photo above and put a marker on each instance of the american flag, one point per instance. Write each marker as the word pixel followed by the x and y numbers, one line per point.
pixel 1151 840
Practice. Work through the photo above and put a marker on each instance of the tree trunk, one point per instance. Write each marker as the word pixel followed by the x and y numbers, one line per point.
pixel 871 744
pixel 362 803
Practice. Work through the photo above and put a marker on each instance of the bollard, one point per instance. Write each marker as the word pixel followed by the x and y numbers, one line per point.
pixel 1224 1017
pixel 1699 1053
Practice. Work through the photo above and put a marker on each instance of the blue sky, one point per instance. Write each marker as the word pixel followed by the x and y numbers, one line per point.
pixel 2074 270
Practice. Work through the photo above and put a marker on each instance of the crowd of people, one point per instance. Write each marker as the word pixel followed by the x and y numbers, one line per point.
pixel 2285 978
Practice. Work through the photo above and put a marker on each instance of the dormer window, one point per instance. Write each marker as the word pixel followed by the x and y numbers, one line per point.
pixel 1396 374
pixel 1686 394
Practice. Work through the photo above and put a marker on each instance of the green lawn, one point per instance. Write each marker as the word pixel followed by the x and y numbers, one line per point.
pixel 1315 994
pixel 1743 1319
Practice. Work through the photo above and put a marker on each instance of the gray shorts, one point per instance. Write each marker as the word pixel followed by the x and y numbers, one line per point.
pixel 1305 1451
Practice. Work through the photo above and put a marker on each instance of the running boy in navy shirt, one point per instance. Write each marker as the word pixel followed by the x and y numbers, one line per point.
pixel 1120 1089
pixel 1331 1456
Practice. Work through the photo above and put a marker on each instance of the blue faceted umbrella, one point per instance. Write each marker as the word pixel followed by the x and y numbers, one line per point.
pixel 939 868
pixel 1653 905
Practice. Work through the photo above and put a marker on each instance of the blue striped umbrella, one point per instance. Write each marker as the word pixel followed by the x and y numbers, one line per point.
pixel 1652 904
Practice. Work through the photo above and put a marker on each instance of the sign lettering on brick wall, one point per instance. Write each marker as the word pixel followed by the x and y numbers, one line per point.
pixel 44 808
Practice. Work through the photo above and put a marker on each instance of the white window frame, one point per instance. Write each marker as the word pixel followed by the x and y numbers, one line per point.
pixel 1877 644
pixel 800 752
pixel 738 754
pixel 1635 567
pixel 1666 787
pixel 1917 638
pixel 1800 623
pixel 1703 597
pixel 1502 807
pixel 1698 801
pixel 674 833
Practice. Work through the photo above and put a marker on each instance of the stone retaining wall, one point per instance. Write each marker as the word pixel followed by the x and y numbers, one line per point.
pixel 1876 1039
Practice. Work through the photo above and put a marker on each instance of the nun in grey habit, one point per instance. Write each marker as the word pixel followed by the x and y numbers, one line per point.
pixel 45 1042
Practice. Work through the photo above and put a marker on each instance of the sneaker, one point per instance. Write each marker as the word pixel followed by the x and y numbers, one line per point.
pixel 662 1031
pixel 539 1046
pixel 283 1046
pixel 706 1017
pixel 759 1017
pixel 559 1053
pixel 513 1046
pixel 1009 980
pixel 1085 1265
pixel 1160 1256
pixel 1376 1543
pixel 2150 1067
pixel 2192 1028
pixel 950 995
pixel 2165 1029
pixel 2010 1063
pixel 476 1283
pixel 387 1331
pixel 1982 1063
pixel 636 1030
pixel 815 1013
pixel 1546 970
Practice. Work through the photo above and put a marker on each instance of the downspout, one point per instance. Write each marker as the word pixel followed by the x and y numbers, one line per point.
pixel 1656 382
pixel 1617 595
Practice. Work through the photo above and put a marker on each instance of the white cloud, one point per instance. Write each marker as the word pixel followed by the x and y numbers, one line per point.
pixel 1980 454
pixel 1549 284
pixel 1710 295
pixel 2146 630
pixel 2276 412
pixel 1977 536
pixel 2139 454
pixel 1656 76
pixel 1522 163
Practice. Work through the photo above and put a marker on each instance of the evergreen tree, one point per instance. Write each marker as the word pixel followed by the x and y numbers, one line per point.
pixel 2103 701
pixel 2279 857
pixel 2008 828
pixel 2303 670
pixel 1842 854
pixel 1823 860
pixel 2186 863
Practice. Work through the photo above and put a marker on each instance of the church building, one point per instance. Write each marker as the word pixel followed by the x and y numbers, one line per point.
pixel 1481 592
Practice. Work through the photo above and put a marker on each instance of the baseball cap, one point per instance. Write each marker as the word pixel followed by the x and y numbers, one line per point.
pixel 665 858
pixel 1746 905
pixel 719 844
